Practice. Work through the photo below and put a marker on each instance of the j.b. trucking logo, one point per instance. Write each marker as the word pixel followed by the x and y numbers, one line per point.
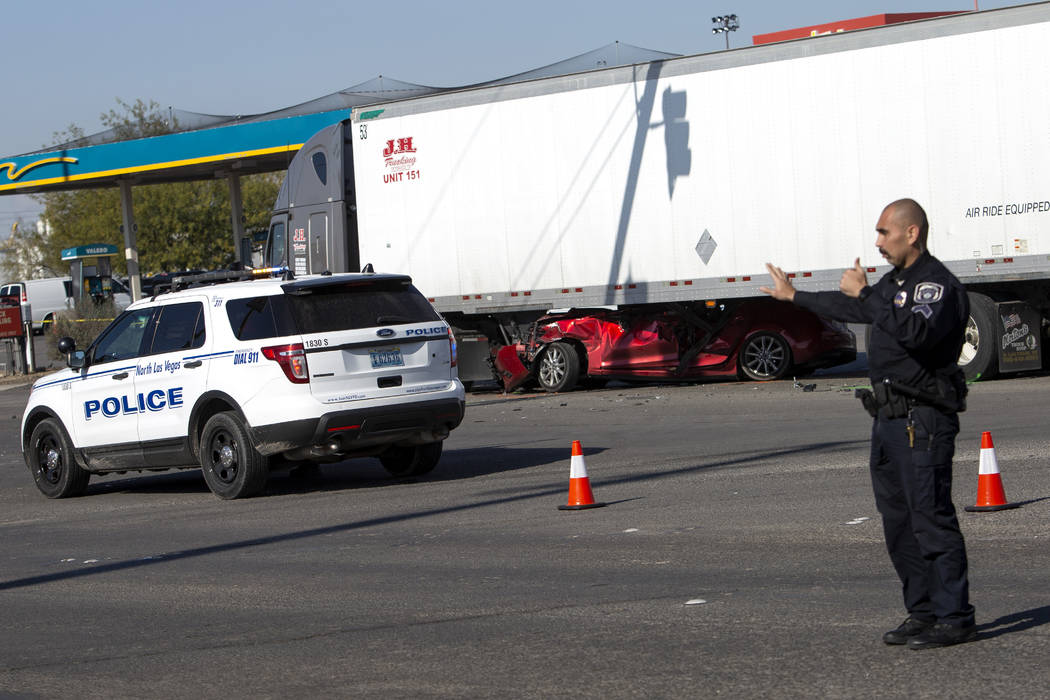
pixel 399 156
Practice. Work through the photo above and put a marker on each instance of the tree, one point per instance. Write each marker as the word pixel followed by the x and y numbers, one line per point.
pixel 139 120
pixel 180 226
pixel 23 254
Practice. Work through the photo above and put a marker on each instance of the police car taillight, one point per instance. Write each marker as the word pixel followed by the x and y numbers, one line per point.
pixel 452 347
pixel 292 360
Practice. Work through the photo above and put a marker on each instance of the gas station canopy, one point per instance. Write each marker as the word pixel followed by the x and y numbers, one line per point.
pixel 239 148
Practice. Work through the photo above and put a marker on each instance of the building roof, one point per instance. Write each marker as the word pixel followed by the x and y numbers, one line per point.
pixel 845 25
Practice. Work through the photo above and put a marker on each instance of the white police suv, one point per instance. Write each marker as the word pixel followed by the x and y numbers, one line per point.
pixel 232 374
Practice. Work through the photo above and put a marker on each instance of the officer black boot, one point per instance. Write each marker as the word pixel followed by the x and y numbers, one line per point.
pixel 907 630
pixel 942 635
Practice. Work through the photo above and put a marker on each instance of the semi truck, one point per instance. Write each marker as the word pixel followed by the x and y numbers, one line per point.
pixel 670 184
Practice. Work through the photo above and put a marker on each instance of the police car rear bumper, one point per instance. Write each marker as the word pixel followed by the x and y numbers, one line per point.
pixel 360 431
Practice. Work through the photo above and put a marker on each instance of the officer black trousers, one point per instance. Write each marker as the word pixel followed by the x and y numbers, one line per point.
pixel 913 486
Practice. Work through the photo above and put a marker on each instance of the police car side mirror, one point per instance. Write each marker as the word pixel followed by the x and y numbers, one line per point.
pixel 76 359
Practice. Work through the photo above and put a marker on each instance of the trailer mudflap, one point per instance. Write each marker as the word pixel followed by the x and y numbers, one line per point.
pixel 511 370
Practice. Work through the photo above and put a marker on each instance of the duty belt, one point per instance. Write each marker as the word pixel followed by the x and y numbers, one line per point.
pixel 892 399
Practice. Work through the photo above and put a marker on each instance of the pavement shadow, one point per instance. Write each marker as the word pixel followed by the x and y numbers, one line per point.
pixel 1015 622
pixel 454 465
pixel 351 474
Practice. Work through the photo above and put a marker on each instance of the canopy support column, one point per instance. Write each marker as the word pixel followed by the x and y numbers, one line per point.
pixel 236 215
pixel 131 252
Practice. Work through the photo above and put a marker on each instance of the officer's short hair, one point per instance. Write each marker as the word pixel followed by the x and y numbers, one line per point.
pixel 908 212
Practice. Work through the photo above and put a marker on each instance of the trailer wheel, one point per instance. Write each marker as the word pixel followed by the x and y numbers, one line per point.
pixel 764 357
pixel 414 460
pixel 559 367
pixel 978 358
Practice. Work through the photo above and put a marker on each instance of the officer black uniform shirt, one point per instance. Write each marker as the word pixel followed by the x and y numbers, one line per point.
pixel 918 316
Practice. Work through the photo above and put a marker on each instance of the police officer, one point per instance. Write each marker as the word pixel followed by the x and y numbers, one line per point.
pixel 918 313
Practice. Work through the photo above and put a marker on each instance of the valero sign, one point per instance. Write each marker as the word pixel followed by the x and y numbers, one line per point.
pixel 88 251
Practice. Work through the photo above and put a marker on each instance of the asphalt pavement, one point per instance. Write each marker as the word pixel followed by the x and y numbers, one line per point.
pixel 739 555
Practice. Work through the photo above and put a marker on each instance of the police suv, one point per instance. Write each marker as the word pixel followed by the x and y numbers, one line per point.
pixel 234 374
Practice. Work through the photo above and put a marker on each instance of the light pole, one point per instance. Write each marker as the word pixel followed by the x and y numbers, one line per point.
pixel 725 24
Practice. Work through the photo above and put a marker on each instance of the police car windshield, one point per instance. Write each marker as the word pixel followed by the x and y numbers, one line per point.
pixel 347 306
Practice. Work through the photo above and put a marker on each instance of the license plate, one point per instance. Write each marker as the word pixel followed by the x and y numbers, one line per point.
pixel 388 357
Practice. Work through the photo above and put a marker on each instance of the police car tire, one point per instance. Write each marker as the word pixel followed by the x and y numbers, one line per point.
pixel 413 460
pixel 764 357
pixel 232 467
pixel 63 477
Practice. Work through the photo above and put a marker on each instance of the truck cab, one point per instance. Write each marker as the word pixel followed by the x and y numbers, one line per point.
pixel 313 228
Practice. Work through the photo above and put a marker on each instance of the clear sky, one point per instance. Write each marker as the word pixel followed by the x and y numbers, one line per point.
pixel 66 61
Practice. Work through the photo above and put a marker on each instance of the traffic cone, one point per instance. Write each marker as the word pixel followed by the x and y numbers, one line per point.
pixel 580 495
pixel 990 493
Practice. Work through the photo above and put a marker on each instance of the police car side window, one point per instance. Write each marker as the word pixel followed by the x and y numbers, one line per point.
pixel 123 339
pixel 179 327
pixel 260 317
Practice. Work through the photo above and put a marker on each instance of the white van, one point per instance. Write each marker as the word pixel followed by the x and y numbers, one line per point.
pixel 44 298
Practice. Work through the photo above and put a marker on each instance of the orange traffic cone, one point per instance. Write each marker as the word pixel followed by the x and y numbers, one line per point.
pixel 990 493
pixel 580 495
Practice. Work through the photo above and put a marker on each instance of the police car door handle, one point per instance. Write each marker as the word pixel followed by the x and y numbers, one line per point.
pixel 122 375
pixel 194 363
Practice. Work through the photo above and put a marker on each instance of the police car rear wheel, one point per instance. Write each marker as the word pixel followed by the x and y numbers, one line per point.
pixel 232 467
pixel 55 471
pixel 414 460
pixel 765 356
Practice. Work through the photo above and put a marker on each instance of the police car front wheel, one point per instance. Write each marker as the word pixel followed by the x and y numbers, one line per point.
pixel 232 467
pixel 55 471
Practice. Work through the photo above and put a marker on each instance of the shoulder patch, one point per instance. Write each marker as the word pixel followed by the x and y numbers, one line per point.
pixel 928 292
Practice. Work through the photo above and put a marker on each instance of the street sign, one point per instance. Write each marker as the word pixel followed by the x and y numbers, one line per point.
pixel 11 317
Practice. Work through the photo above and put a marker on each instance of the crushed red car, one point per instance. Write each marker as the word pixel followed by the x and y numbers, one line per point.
pixel 759 339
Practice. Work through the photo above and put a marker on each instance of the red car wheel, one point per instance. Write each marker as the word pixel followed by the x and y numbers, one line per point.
pixel 764 357
pixel 559 367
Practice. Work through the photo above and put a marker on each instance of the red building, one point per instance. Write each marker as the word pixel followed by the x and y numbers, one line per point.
pixel 846 25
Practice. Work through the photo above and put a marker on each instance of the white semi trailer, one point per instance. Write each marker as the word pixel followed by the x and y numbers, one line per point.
pixel 673 182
